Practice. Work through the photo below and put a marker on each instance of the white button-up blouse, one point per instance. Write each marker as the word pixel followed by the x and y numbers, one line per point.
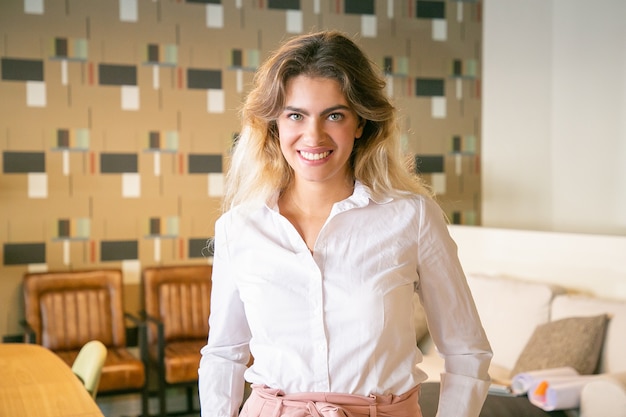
pixel 340 319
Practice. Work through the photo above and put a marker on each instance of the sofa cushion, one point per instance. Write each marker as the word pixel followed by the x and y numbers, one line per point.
pixel 612 358
pixel 510 309
pixel 570 342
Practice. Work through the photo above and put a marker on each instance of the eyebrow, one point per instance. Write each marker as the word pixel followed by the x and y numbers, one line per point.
pixel 324 112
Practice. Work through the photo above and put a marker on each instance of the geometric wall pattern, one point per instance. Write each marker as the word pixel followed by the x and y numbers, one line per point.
pixel 116 118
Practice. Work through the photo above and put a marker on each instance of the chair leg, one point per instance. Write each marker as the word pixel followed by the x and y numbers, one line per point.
pixel 145 397
pixel 162 398
pixel 190 399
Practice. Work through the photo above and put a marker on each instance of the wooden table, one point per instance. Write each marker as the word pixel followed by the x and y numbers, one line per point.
pixel 36 382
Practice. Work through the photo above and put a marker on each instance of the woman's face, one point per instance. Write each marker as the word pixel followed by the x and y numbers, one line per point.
pixel 317 129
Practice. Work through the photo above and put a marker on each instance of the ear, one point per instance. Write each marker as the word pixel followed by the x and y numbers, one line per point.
pixel 359 129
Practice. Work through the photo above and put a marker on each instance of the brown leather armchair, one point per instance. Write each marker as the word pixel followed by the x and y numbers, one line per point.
pixel 65 310
pixel 177 306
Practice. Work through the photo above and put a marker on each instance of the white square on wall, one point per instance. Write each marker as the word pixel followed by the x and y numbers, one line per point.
pixel 37 185
pixel 128 11
pixel 215 101
pixel 294 21
pixel 214 16
pixel 439 182
pixel 33 6
pixel 35 94
pixel 440 30
pixel 438 107
pixel 216 184
pixel 131 271
pixel 131 185
pixel 369 26
pixel 130 97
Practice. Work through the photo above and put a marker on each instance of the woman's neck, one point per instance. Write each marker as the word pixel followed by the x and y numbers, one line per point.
pixel 316 199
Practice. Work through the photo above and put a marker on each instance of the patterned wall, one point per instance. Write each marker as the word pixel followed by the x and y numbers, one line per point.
pixel 116 118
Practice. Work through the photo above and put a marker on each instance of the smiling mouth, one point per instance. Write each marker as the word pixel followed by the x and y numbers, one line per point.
pixel 309 156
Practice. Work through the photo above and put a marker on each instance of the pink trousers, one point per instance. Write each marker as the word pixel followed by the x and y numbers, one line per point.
pixel 268 402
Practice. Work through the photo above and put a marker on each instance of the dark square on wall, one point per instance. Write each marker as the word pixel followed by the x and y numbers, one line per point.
pixel 22 69
pixel 429 164
pixel 359 7
pixel 155 140
pixel 430 9
pixel 204 163
pixel 23 162
pixel 237 58
pixel 429 87
pixel 456 143
pixel 117 163
pixel 24 253
pixel 204 79
pixel 153 52
pixel 284 4
pixel 63 138
pixel 63 228
pixel 155 226
pixel 198 248
pixel 117 74
pixel 119 250
pixel 60 47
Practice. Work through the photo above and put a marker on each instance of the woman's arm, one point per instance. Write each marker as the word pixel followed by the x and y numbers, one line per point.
pixel 225 357
pixel 452 318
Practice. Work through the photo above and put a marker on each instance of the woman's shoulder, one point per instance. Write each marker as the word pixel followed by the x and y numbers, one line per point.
pixel 243 213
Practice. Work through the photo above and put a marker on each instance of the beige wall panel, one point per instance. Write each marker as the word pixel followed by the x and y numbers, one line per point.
pixel 13 102
pixel 59 185
pixel 112 227
pixel 198 216
pixel 27 225
pixel 349 24
pixel 115 43
pixel 91 185
pixel 13 193
pixel 23 42
pixel 239 37
pixel 213 139
pixel 173 183
pixel 193 107
pixel 102 101
pixel 12 307
pixel 132 300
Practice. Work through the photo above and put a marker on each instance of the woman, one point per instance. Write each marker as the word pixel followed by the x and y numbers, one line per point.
pixel 326 235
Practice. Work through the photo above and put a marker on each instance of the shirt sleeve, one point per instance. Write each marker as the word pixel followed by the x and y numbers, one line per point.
pixel 225 357
pixel 452 318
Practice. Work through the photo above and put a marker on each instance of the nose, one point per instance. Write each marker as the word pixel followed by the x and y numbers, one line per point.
pixel 314 131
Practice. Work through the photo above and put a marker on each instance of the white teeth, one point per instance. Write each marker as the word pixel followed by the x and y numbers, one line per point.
pixel 314 156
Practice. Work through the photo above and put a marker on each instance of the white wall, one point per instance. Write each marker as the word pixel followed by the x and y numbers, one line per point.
pixel 554 115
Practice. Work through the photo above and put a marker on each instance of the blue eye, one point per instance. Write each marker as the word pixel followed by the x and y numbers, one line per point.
pixel 294 116
pixel 335 116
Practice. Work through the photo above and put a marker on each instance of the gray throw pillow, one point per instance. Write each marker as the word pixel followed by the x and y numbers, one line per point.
pixel 575 342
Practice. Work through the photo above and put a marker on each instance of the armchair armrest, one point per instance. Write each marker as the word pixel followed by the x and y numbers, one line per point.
pixel 160 336
pixel 604 397
pixel 29 333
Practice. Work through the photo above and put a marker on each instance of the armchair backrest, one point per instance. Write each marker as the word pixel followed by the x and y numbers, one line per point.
pixel 179 296
pixel 68 309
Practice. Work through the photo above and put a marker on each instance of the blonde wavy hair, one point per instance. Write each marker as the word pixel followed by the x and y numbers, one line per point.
pixel 258 169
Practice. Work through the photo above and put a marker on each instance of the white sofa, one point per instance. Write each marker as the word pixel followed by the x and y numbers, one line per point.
pixel 513 301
